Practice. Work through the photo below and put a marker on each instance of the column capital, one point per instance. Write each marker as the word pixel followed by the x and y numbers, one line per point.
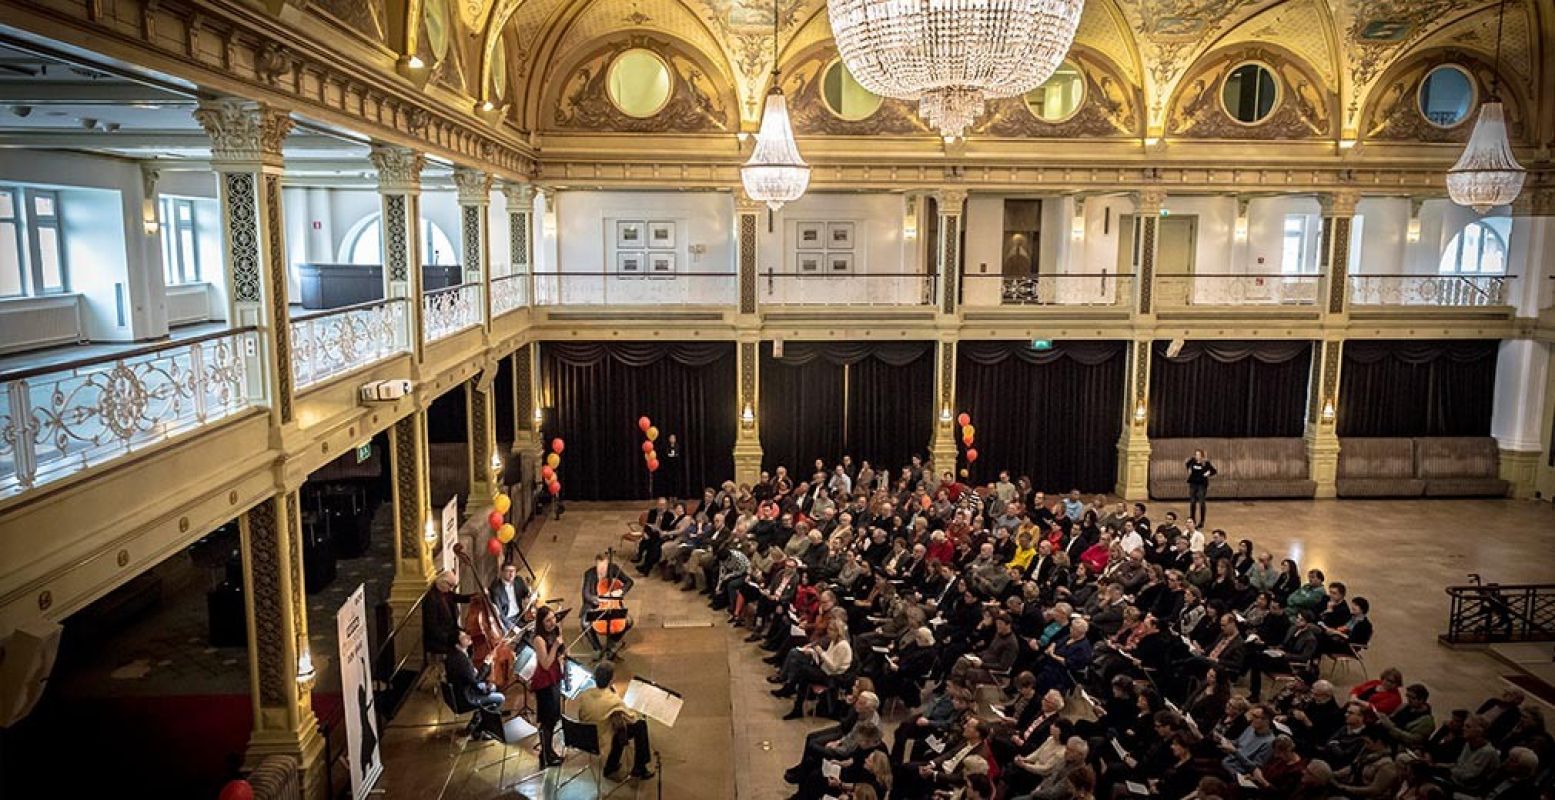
pixel 1339 204
pixel 244 132
pixel 951 201
pixel 399 168
pixel 1149 201
pixel 745 205
pixel 473 185
pixel 519 196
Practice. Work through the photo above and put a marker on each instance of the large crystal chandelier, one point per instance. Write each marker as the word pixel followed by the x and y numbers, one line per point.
pixel 775 174
pixel 953 55
pixel 1487 174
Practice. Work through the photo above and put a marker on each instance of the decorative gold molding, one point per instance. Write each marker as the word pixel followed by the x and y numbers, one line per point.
pixel 1303 107
pixel 697 101
pixel 1111 107
pixel 399 168
pixel 1393 111
pixel 473 186
pixel 243 131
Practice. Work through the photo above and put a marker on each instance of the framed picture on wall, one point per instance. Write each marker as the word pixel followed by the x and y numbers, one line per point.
pixel 810 263
pixel 661 264
pixel 809 236
pixel 631 234
pixel 661 235
pixel 839 263
pixel 630 264
pixel 839 236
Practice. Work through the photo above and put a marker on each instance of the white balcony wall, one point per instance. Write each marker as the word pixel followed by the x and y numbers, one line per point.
pixel 879 249
pixel 584 241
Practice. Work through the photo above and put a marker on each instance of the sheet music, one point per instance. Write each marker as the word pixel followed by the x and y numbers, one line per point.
pixel 653 701
pixel 831 769
pixel 579 679
pixel 1136 788
pixel 527 662
pixel 1245 782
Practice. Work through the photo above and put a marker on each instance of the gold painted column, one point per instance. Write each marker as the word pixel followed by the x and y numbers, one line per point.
pixel 481 413
pixel 413 569
pixel 1322 404
pixel 246 141
pixel 942 449
pixel 280 664
pixel 1334 250
pixel 747 443
pixel 747 225
pixel 399 192
pixel 951 204
pixel 1148 205
pixel 1134 443
pixel 474 190
pixel 520 199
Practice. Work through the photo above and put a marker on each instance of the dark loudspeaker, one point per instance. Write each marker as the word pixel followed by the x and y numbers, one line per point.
pixel 26 659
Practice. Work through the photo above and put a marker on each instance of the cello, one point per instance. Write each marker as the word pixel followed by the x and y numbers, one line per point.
pixel 484 626
pixel 611 593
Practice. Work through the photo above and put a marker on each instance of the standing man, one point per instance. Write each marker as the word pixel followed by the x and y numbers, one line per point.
pixel 674 469
pixel 1200 470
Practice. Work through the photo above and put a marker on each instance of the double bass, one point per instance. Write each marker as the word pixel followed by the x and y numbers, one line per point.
pixel 484 625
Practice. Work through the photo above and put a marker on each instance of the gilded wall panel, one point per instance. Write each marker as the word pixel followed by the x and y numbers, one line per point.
pixel 1394 114
pixel 698 102
pixel 1303 108
pixel 1110 107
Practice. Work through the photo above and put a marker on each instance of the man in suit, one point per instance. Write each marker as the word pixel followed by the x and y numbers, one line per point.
pixel 604 571
pixel 509 595
pixel 615 724
pixel 440 614
pixel 471 684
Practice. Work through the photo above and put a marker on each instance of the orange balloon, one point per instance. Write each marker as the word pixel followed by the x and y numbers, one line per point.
pixel 653 465
pixel 555 487
pixel 966 440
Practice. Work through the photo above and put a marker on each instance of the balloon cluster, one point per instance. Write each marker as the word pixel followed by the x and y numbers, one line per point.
pixel 967 434
pixel 502 529
pixel 552 461
pixel 651 435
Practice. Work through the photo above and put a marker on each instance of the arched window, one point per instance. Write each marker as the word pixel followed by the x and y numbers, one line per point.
pixel 1480 248
pixel 364 244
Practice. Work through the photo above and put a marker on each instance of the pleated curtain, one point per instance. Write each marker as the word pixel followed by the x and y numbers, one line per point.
pixel 1231 389
pixel 1417 388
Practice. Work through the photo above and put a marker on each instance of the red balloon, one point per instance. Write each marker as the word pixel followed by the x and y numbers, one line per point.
pixel 547 473
pixel 643 424
pixel 964 420
pixel 237 790
pixel 557 445
pixel 971 455
pixel 555 487
pixel 494 519
pixel 647 446
pixel 494 546
pixel 653 466
pixel 966 440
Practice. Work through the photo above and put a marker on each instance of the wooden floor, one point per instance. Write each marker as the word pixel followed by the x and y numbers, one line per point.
pixel 730 742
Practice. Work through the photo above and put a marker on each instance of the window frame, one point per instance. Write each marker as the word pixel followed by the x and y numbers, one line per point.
pixel 1457 243
pixel 17 220
pixel 175 270
pixel 1302 236
pixel 36 222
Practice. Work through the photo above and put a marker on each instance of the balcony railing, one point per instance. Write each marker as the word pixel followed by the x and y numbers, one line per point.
pixel 1238 289
pixel 509 292
pixel 1064 289
pixel 445 312
pixel 60 419
pixel 616 289
pixel 1429 290
pixel 863 289
pixel 1490 612
pixel 329 343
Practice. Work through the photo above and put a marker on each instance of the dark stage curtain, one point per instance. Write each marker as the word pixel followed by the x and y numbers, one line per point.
pixel 886 417
pixel 1230 389
pixel 1417 388
pixel 595 391
pixel 1051 415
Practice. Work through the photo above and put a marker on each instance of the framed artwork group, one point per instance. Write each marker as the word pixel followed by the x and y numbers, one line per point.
pixel 824 248
pixel 645 248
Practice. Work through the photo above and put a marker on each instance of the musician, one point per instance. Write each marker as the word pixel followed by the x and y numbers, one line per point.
pixel 605 571
pixel 472 684
pixel 509 595
pixel 550 662
pixel 440 614
pixel 615 723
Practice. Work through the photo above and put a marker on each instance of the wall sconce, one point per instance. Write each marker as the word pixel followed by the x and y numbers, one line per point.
pixel 496 463
pixel 748 416
pixel 1139 413
pixel 944 415
pixel 1328 409
pixel 431 532
pixel 539 416
pixel 415 62
pixel 548 219
pixel 910 220
pixel 1077 224
pixel 1152 141
pixel 1240 231
pixel 1412 231
pixel 305 671
pixel 1346 143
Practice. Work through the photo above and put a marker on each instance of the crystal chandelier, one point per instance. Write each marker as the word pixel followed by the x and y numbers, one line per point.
pixel 1487 174
pixel 953 55
pixel 775 173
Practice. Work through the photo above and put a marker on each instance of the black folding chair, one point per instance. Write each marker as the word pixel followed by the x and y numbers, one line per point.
pixel 584 737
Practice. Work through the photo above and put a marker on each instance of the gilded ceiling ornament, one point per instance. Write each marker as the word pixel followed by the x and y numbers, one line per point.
pixel 242 130
pixel 1301 110
pixel 1107 108
pixel 695 103
pixel 363 16
pixel 1394 113
pixel 807 108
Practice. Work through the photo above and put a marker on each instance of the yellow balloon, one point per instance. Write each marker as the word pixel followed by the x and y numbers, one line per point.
pixel 653 434
pixel 968 430
pixel 553 460
pixel 502 503
pixel 650 455
pixel 505 533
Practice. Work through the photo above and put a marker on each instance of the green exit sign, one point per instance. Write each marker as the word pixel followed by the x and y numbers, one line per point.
pixel 1042 344
pixel 364 452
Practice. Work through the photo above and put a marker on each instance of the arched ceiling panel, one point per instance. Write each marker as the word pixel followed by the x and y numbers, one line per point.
pixel 1300 26
pixel 604 17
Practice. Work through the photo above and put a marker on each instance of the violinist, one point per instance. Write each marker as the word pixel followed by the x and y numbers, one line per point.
pixel 550 655
pixel 473 684
pixel 604 584
pixel 440 614
pixel 509 595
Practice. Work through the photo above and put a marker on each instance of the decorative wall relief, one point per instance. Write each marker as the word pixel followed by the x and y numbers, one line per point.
pixel 802 83
pixel 1394 112
pixel 1303 107
pixel 697 102
pixel 365 17
pixel 1110 107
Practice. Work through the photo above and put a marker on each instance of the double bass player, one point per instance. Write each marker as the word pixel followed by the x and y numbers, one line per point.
pixel 604 586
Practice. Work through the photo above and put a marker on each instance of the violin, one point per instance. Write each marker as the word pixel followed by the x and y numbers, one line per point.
pixel 484 625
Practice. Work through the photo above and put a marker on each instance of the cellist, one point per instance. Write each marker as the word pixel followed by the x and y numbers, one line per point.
pixel 603 583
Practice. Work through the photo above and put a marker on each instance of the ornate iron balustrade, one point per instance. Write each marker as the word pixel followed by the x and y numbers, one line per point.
pixel 1484 613
pixel 635 289
pixel 509 292
pixel 1429 290
pixel 445 312
pixel 863 289
pixel 329 343
pixel 60 419
pixel 1239 289
pixel 1064 289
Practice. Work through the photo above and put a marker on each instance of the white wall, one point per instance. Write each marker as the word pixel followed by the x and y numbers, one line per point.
pixel 879 249
pixel 583 244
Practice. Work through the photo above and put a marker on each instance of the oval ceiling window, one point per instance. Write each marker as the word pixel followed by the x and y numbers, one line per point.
pixel 1446 95
pixel 1058 98
pixel 843 95
pixel 639 82
pixel 436 17
pixel 499 69
pixel 1249 93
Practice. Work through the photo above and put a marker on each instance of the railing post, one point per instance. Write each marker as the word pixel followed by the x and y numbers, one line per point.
pixel 23 429
pixel 197 372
